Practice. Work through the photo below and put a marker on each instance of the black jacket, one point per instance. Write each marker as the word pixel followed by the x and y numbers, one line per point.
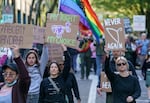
pixel 72 87
pixel 48 93
pixel 122 87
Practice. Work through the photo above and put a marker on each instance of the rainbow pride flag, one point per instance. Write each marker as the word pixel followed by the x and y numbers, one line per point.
pixel 71 7
pixel 93 21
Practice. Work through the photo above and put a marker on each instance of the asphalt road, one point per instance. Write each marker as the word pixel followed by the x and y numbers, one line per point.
pixel 88 92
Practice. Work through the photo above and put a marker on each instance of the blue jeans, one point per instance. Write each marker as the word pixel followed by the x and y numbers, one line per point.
pixel 75 62
pixel 98 64
pixel 32 98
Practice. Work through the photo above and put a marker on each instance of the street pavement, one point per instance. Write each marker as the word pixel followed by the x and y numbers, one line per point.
pixel 88 92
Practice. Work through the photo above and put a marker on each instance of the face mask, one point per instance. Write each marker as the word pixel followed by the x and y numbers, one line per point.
pixel 11 84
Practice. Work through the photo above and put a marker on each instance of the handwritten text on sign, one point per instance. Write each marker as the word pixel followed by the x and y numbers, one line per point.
pixel 114 33
pixel 64 18
pixel 16 34
pixel 16 37
pixel 62 29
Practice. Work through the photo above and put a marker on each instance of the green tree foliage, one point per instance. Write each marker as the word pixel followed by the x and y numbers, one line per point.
pixel 125 8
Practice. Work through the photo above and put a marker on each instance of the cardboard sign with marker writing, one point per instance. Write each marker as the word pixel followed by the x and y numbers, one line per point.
pixel 62 29
pixel 18 34
pixel 105 83
pixel 114 33
pixel 55 53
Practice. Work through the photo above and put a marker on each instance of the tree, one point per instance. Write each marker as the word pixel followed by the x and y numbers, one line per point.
pixel 41 5
pixel 31 9
pixel 126 8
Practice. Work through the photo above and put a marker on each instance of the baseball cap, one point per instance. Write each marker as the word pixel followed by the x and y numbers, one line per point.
pixel 11 66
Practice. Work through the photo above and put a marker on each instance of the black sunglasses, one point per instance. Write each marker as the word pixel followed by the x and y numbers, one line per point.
pixel 119 64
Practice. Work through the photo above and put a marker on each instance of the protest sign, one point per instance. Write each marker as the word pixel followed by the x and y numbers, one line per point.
pixel 114 33
pixel 55 52
pixel 139 22
pixel 38 34
pixel 105 83
pixel 62 29
pixel 18 34
pixel 127 25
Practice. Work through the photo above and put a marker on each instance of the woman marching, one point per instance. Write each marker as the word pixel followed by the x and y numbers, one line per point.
pixel 125 87
pixel 16 80
pixel 52 89
pixel 35 69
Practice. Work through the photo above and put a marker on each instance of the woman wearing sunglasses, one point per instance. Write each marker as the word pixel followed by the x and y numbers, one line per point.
pixel 16 81
pixel 125 87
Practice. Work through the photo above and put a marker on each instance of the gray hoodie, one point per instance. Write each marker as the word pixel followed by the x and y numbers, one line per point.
pixel 36 72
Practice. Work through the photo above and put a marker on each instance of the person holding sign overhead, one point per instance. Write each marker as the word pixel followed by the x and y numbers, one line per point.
pixel 125 87
pixel 16 83
pixel 113 57
pixel 35 69
pixel 52 89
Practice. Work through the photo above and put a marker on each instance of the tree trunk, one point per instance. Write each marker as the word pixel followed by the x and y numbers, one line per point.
pixel 31 9
pixel 148 23
pixel 38 11
pixel 52 7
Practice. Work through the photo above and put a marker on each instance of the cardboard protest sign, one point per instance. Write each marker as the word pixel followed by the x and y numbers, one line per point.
pixel 38 34
pixel 18 34
pixel 62 29
pixel 55 52
pixel 105 83
pixel 114 33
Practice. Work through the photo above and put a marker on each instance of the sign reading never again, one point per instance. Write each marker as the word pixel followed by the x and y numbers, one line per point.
pixel 62 29
pixel 18 34
pixel 114 33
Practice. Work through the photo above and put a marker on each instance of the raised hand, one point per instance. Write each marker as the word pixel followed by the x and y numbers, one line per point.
pixel 64 47
pixel 15 49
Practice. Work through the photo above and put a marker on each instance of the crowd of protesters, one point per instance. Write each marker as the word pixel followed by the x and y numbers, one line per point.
pixel 47 81
pixel 34 80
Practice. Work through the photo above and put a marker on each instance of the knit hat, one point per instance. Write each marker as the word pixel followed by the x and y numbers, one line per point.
pixel 36 55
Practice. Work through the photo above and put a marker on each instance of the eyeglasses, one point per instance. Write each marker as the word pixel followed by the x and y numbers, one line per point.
pixel 119 64
pixel 61 64
pixel 8 74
